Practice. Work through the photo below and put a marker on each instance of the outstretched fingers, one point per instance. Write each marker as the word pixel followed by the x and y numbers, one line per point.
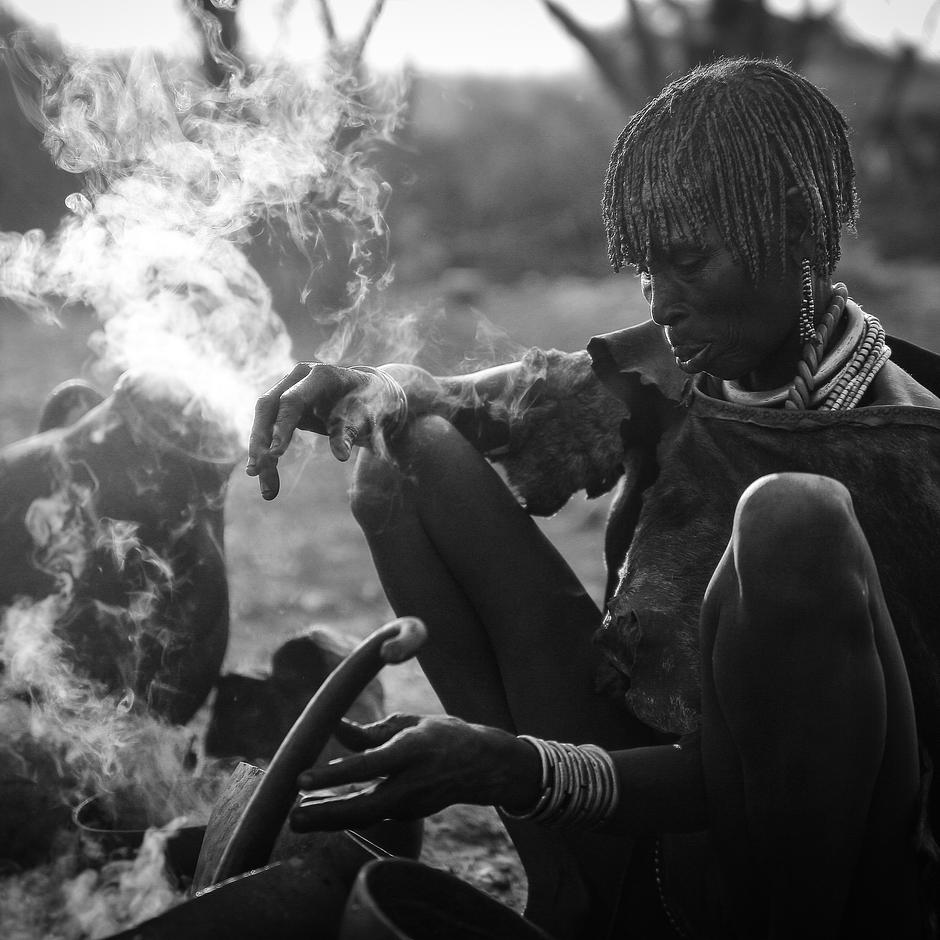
pixel 374 759
pixel 363 807
pixel 312 397
pixel 360 737
pixel 416 766
pixel 385 756
pixel 353 735
pixel 268 428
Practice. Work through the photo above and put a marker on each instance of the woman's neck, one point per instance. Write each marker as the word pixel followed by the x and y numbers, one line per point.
pixel 780 369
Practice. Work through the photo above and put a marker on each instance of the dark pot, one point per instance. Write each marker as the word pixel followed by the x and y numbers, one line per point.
pixel 119 821
pixel 400 899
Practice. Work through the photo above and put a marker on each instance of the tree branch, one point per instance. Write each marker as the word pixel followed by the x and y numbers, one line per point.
pixel 599 53
pixel 366 30
pixel 326 18
pixel 648 44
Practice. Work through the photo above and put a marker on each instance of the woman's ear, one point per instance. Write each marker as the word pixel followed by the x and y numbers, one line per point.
pixel 801 242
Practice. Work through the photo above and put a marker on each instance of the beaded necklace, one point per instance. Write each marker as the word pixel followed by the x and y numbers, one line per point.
pixel 827 379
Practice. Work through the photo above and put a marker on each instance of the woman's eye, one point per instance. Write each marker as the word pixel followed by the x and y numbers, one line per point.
pixel 687 266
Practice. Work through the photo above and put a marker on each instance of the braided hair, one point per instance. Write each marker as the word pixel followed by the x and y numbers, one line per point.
pixel 723 144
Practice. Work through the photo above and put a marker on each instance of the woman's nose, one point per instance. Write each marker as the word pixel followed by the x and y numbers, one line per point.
pixel 661 296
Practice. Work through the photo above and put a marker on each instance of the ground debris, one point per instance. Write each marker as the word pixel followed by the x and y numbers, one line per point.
pixel 471 843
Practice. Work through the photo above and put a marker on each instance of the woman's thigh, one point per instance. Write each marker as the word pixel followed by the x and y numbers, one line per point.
pixel 450 539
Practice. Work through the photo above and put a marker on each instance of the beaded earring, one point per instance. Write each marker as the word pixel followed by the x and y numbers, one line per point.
pixel 807 303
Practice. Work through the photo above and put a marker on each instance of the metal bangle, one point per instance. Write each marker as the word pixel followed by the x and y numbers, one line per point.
pixel 400 419
pixel 546 788
pixel 579 785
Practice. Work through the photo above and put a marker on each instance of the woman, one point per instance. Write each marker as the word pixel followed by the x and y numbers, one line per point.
pixel 781 516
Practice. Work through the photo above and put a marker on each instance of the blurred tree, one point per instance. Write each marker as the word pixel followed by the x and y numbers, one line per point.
pixel 308 278
pixel 500 176
pixel 309 281
pixel 665 37
pixel 312 283
pixel 892 97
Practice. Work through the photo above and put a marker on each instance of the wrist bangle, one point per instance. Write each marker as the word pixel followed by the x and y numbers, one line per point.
pixel 545 790
pixel 579 785
pixel 399 419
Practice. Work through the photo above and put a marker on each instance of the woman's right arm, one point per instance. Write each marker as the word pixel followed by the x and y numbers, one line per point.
pixel 351 405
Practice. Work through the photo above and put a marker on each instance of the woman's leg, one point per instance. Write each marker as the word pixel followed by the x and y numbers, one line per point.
pixel 510 630
pixel 510 625
pixel 809 741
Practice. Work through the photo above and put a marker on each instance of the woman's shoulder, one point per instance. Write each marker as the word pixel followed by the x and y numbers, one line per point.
pixel 910 377
pixel 895 386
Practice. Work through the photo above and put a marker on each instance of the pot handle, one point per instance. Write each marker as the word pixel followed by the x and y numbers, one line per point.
pixel 255 833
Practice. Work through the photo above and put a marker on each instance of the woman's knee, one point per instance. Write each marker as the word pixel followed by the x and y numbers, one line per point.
pixel 381 481
pixel 376 481
pixel 799 507
pixel 797 543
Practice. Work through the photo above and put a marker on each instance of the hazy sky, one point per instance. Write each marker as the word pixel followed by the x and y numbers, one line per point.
pixel 501 36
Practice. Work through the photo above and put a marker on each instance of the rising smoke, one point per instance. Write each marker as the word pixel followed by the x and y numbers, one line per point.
pixel 179 176
pixel 175 178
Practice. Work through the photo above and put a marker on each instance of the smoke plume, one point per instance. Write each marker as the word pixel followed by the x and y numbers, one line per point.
pixel 179 177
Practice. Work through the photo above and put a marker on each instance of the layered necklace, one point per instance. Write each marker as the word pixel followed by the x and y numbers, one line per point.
pixel 832 375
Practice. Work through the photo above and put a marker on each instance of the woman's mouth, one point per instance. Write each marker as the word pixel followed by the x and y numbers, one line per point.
pixel 691 358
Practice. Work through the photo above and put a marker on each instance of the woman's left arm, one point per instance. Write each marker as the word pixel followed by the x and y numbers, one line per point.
pixel 662 789
pixel 415 766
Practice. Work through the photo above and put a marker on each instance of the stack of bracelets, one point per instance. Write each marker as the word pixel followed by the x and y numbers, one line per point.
pixel 398 421
pixel 579 785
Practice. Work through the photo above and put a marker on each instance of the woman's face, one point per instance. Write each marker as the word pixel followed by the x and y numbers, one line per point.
pixel 715 319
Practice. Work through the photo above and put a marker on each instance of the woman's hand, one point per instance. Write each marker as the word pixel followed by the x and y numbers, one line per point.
pixel 418 766
pixel 345 404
